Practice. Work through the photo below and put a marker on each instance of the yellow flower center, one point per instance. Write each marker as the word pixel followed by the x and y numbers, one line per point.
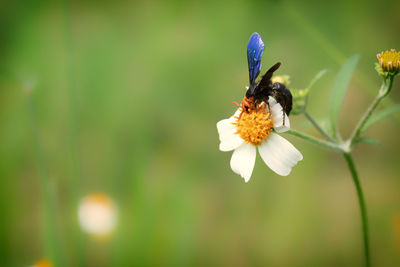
pixel 254 126
pixel 389 60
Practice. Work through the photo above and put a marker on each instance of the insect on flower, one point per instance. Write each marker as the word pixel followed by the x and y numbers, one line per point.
pixel 261 115
pixel 260 91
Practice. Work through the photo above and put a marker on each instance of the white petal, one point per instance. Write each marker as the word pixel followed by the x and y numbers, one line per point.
pixel 279 154
pixel 231 142
pixel 227 124
pixel 226 130
pixel 277 115
pixel 271 101
pixel 243 160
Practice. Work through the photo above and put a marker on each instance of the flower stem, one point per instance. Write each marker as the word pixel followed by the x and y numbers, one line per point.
pixel 361 202
pixel 316 141
pixel 383 92
pixel 75 161
pixel 318 127
pixel 51 244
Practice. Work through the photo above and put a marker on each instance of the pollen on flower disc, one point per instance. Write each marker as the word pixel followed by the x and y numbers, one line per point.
pixel 255 126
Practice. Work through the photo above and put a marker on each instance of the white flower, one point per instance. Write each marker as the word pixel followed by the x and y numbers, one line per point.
pixel 245 130
pixel 97 215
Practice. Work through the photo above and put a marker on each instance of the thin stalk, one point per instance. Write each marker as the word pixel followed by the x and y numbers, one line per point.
pixel 361 202
pixel 318 127
pixel 383 92
pixel 316 141
pixel 51 245
pixel 76 178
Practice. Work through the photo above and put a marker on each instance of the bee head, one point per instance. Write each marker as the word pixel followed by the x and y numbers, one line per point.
pixel 247 103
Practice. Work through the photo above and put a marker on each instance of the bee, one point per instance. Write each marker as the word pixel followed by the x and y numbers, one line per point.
pixel 260 91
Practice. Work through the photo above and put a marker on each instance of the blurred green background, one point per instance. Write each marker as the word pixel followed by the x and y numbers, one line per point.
pixel 123 98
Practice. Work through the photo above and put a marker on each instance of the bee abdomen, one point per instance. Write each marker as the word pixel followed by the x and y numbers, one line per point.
pixel 283 96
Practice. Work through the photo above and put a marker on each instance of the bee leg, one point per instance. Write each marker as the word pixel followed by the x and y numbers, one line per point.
pixel 240 115
pixel 269 110
pixel 283 113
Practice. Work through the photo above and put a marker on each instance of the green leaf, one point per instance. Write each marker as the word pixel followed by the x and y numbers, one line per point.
pixel 367 140
pixel 316 78
pixel 384 113
pixel 325 125
pixel 339 90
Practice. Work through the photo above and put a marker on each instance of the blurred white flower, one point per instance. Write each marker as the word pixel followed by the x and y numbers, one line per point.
pixel 245 131
pixel 97 215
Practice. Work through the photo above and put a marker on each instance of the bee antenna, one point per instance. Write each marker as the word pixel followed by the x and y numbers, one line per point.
pixel 235 103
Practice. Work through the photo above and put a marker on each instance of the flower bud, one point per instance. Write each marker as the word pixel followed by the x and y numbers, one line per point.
pixel 299 100
pixel 283 79
pixel 388 63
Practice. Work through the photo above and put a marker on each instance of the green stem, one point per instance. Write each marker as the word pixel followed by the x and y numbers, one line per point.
pixel 361 202
pixel 51 245
pixel 318 127
pixel 316 141
pixel 76 184
pixel 383 92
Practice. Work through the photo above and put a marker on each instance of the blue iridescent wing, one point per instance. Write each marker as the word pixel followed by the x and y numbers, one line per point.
pixel 255 50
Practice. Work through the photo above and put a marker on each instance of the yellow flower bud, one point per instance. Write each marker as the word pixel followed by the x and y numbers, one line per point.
pixel 389 62
pixel 283 79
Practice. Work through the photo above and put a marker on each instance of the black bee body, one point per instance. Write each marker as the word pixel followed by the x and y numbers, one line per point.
pixel 262 90
pixel 283 96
